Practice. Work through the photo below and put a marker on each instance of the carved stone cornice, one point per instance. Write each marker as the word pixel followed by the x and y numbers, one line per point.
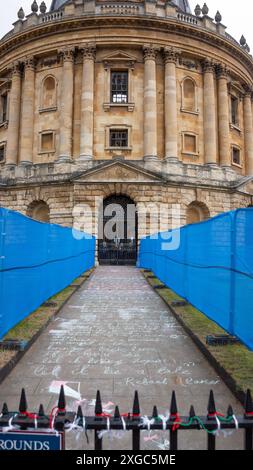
pixel 222 71
pixel 171 55
pixel 88 51
pixel 150 51
pixel 208 66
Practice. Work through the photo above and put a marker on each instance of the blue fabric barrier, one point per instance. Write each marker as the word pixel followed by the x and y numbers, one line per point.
pixel 37 260
pixel 212 268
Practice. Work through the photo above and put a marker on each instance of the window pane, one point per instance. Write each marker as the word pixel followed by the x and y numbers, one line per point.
pixel 4 107
pixel 234 110
pixel 2 154
pixel 118 138
pixel 119 87
pixel 236 156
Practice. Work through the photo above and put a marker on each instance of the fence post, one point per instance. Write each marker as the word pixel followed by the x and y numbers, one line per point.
pixel 98 413
pixel 211 408
pixel 136 431
pixel 173 417
pixel 248 436
pixel 233 216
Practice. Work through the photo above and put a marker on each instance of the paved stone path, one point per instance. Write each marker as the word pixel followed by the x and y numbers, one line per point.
pixel 117 335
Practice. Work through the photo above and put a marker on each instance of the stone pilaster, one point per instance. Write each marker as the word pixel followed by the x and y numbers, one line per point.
pixel 223 117
pixel 210 137
pixel 14 117
pixel 87 103
pixel 150 103
pixel 248 130
pixel 170 105
pixel 67 98
pixel 27 113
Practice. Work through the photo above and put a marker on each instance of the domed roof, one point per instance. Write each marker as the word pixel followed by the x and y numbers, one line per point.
pixel 182 4
pixel 56 4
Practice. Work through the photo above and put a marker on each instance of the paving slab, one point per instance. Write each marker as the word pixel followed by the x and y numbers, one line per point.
pixel 117 335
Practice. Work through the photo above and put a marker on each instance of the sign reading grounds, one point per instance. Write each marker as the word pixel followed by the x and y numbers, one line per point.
pixel 31 440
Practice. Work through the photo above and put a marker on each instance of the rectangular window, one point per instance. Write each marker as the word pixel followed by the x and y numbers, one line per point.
pixel 118 138
pixel 119 87
pixel 4 102
pixel 234 111
pixel 47 142
pixel 2 153
pixel 236 156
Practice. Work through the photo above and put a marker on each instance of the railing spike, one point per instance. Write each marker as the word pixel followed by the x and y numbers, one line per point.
pixel 136 404
pixel 23 402
pixel 5 410
pixel 248 406
pixel 173 405
pixel 116 413
pixel 98 405
pixel 211 404
pixel 192 413
pixel 230 411
pixel 41 411
pixel 62 400
pixel 155 412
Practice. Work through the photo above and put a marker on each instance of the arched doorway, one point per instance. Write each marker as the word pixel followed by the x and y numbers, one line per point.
pixel 39 210
pixel 196 212
pixel 118 231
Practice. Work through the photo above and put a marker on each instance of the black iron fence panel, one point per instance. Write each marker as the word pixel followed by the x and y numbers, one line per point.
pixel 122 253
pixel 60 420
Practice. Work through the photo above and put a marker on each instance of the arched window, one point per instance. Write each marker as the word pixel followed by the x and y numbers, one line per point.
pixel 49 93
pixel 197 212
pixel 39 210
pixel 189 95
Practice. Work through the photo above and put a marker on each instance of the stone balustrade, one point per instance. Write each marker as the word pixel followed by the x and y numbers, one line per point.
pixel 55 16
pixel 167 10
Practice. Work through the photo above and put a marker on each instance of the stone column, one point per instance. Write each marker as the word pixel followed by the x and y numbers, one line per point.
pixel 209 114
pixel 14 117
pixel 27 113
pixel 248 130
pixel 223 116
pixel 150 103
pixel 67 98
pixel 87 103
pixel 170 108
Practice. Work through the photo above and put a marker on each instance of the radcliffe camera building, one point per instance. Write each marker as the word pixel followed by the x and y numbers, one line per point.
pixel 137 100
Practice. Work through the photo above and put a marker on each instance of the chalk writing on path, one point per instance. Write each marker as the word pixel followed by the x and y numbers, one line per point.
pixel 145 381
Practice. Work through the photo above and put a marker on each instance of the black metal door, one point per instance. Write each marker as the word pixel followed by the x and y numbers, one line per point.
pixel 117 244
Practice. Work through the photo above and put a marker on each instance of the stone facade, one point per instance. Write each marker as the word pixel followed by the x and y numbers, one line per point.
pixel 187 115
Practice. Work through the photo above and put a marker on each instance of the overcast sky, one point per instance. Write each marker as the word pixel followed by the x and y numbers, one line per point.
pixel 237 16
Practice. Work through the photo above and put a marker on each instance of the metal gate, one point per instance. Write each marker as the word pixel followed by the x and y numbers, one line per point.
pixel 117 243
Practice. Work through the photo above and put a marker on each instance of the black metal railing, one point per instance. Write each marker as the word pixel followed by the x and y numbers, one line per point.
pixel 60 419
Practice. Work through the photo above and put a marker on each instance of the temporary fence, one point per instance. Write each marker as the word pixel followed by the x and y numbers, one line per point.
pixel 19 429
pixel 210 264
pixel 37 260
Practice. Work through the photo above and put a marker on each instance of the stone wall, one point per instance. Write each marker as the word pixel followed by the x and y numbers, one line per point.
pixel 63 199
